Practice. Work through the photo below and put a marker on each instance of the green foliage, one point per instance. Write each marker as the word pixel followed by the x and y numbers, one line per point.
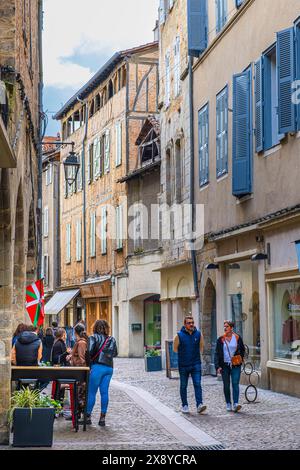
pixel 152 353
pixel 28 398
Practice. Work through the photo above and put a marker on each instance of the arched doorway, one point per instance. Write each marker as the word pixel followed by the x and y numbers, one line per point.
pixel 5 301
pixel 209 326
pixel 152 321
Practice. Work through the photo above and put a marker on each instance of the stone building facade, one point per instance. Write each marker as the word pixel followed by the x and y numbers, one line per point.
pixel 104 120
pixel 247 159
pixel 177 285
pixel 20 82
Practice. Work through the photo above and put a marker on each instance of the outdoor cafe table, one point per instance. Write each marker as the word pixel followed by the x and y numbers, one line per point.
pixel 80 374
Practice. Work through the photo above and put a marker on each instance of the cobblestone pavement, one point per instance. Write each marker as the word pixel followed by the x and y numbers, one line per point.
pixel 272 423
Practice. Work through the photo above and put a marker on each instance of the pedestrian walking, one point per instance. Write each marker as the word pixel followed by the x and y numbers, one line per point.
pixel 48 341
pixel 189 344
pixel 229 356
pixel 102 350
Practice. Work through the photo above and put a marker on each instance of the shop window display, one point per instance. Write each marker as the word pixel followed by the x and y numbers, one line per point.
pixel 286 306
pixel 242 301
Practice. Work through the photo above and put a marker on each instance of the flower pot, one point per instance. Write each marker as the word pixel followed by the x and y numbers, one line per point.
pixel 33 427
pixel 153 363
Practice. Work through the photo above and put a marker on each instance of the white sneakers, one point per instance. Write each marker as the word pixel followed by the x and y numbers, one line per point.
pixel 185 409
pixel 236 407
pixel 201 408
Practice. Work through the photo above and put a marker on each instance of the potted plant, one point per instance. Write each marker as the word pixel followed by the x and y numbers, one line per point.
pixel 153 360
pixel 32 416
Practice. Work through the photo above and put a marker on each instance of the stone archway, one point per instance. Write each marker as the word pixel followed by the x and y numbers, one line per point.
pixel 5 301
pixel 18 304
pixel 31 249
pixel 209 326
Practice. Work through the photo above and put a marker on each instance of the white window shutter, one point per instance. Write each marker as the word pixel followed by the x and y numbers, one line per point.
pixel 46 221
pixel 177 66
pixel 93 234
pixel 103 231
pixel 119 226
pixel 68 243
pixel 107 152
pixel 162 12
pixel 89 173
pixel 118 143
pixel 78 240
pixel 167 79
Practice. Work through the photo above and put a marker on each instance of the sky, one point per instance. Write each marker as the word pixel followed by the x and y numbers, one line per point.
pixel 79 36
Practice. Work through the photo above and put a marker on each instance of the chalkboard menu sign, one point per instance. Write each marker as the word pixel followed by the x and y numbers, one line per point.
pixel 171 359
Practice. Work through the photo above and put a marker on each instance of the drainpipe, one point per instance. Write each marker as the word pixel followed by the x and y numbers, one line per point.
pixel 40 156
pixel 85 102
pixel 192 188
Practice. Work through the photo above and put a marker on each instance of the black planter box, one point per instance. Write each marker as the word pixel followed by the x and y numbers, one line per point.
pixel 33 428
pixel 153 364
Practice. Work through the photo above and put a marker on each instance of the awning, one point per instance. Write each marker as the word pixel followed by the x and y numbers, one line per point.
pixel 59 301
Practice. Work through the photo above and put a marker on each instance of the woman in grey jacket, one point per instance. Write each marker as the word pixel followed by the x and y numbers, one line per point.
pixel 102 350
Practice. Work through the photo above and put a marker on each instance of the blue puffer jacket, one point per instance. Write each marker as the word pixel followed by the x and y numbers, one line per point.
pixel 189 348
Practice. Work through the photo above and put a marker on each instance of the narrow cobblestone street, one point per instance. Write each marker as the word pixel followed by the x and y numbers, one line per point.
pixel 144 415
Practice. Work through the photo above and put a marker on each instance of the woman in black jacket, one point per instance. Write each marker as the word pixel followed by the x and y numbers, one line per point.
pixel 102 350
pixel 60 351
pixel 48 341
pixel 228 346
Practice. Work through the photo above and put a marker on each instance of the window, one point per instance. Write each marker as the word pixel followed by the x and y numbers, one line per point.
pixel 79 174
pixel 48 175
pixel 238 3
pixel 46 270
pixel 68 243
pixel 203 133
pixel 119 227
pixel 46 221
pixel 107 151
pixel 97 147
pixel 76 121
pixel 78 240
pixel 221 14
pixel 162 12
pixel 286 308
pixel 197 27
pixel 266 101
pixel 242 158
pixel 97 103
pixel 222 133
pixel 90 163
pixel 118 143
pixel 177 66
pixel 93 234
pixel 110 89
pixel 167 79
pixel 103 231
pixel 178 169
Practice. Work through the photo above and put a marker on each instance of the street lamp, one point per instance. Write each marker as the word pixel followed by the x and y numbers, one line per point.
pixel 69 163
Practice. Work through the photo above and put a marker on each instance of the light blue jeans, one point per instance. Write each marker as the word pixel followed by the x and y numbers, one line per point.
pixel 100 378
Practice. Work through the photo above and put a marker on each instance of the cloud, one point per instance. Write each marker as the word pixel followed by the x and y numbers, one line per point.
pixel 79 36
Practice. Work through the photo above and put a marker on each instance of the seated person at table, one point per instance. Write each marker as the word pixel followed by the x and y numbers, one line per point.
pixel 28 349
pixel 60 351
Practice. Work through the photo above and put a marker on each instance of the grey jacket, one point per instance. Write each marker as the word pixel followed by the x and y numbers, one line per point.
pixel 107 355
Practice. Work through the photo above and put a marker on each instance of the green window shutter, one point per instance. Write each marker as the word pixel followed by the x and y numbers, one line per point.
pixel 107 152
pixel 103 230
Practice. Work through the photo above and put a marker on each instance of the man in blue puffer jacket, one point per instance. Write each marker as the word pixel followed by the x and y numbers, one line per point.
pixel 189 344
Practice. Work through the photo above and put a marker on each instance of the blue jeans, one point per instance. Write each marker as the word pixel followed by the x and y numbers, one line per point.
pixel 235 374
pixel 195 372
pixel 100 378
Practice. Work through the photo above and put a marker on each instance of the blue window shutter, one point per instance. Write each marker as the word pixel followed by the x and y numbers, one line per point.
pixel 197 26
pixel 242 135
pixel 218 143
pixel 298 72
pixel 286 76
pixel 203 136
pixel 259 105
pixel 222 133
